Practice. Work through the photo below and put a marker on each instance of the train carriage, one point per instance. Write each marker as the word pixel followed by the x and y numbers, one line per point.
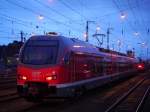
pixel 56 66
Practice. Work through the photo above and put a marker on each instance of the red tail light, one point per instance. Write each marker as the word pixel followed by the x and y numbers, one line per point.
pixel 140 66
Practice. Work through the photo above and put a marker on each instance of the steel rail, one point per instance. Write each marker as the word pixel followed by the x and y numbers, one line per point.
pixel 143 99
pixel 124 96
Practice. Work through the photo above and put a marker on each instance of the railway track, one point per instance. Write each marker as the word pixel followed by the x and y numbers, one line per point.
pixel 132 100
pixel 144 106
pixel 7 84
pixel 9 97
pixel 7 81
pixel 142 102
pixel 11 101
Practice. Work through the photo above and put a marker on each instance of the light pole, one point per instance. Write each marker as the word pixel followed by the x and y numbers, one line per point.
pixel 108 33
pixel 87 29
pixel 119 44
pixel 147 53
pixel 141 45
pixel 40 20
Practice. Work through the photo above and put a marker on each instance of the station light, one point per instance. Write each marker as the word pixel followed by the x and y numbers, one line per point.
pixel 97 28
pixel 40 17
pixel 123 16
pixel 85 35
pixel 136 33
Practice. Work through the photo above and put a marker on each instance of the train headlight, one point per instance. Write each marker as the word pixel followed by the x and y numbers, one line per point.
pixel 49 78
pixel 22 77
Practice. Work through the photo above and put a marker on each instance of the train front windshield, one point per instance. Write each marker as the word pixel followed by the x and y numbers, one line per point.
pixel 40 52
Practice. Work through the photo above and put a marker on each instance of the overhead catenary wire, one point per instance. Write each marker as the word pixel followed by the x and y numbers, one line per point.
pixel 136 20
pixel 55 11
pixel 72 9
pixel 142 19
pixel 129 24
pixel 120 10
pixel 37 13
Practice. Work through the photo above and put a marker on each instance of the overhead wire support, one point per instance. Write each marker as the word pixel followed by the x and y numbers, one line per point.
pixel 87 30
pixel 108 34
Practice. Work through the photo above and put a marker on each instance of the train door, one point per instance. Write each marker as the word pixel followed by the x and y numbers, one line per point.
pixel 80 66
pixel 72 67
pixel 69 61
pixel 75 66
pixel 99 66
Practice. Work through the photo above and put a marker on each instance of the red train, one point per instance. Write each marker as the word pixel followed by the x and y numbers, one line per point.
pixel 56 66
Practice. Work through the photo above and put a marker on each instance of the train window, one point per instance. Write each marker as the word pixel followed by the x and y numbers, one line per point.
pixel 67 58
pixel 39 54
pixel 42 43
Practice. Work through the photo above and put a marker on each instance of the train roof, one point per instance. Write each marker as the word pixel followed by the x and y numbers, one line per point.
pixel 79 46
pixel 71 43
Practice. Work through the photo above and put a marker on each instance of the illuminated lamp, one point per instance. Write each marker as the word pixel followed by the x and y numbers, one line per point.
pixel 48 78
pixel 20 77
pixel 24 78
pixel 51 76
pixel 140 66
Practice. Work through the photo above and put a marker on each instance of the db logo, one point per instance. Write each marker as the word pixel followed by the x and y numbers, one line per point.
pixel 36 73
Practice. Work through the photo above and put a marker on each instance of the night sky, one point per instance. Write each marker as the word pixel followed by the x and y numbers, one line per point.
pixel 68 18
